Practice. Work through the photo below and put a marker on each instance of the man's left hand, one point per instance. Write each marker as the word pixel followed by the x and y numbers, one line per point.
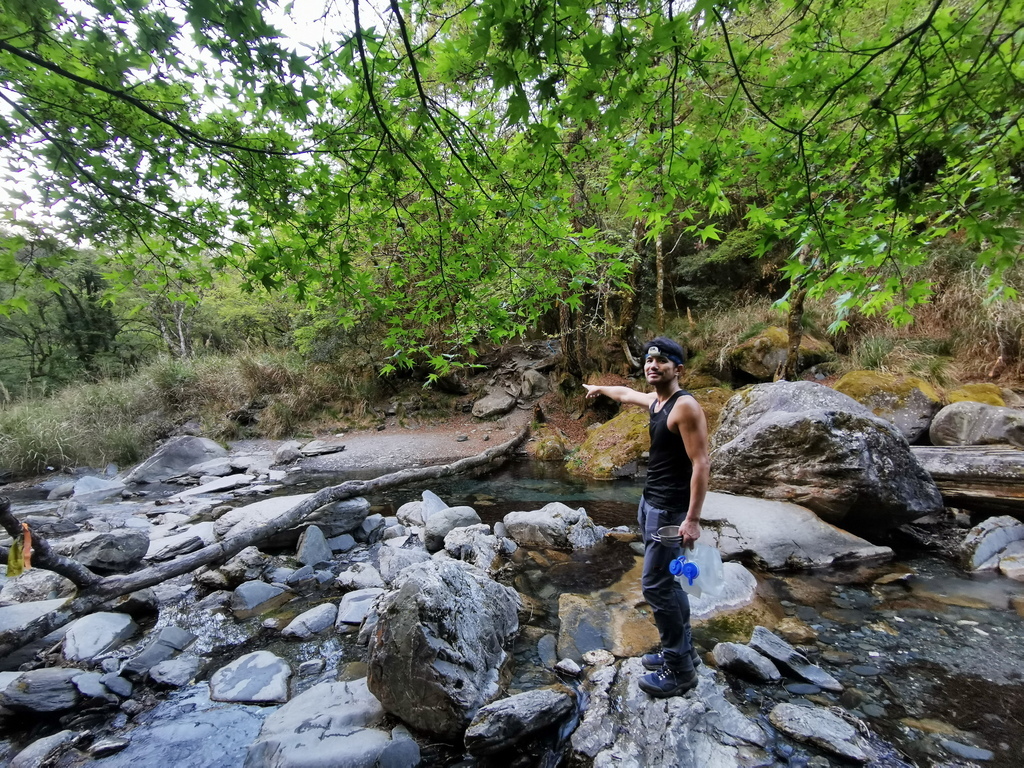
pixel 689 530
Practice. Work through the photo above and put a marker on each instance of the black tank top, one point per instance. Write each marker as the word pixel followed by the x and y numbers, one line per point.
pixel 669 468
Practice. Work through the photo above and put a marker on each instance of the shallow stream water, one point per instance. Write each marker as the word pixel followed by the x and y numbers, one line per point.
pixel 932 658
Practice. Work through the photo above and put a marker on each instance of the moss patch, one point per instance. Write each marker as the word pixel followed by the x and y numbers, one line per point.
pixel 863 386
pixel 612 445
pixel 712 400
pixel 548 443
pixel 989 394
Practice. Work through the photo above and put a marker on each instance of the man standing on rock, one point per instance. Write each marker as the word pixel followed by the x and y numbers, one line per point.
pixel 677 481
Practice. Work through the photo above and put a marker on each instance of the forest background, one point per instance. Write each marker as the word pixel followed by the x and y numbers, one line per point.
pixel 206 219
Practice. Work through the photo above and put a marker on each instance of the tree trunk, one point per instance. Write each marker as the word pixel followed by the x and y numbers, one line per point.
pixel 795 329
pixel 95 592
pixel 659 291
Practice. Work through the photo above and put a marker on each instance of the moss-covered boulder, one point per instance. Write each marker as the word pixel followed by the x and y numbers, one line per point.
pixel 712 400
pixel 805 443
pixel 906 401
pixel 763 355
pixel 611 447
pixel 548 443
pixel 989 394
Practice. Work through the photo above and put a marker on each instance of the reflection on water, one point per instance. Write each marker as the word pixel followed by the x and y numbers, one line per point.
pixel 519 485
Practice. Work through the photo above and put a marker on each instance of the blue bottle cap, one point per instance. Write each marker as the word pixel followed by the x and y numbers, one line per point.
pixel 690 571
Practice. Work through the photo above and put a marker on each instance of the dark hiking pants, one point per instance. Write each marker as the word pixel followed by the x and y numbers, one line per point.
pixel 668 601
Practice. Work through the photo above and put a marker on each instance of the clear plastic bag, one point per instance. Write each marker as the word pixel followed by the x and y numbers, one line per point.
pixel 699 570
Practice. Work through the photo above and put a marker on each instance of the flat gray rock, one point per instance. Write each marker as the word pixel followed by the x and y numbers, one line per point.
pixel 96 633
pixel 744 661
pixel 220 467
pixel 777 535
pixel 360 576
pixel 169 547
pixel 45 750
pixel 790 660
pixel 331 726
pixel 322 447
pixel 168 642
pixel 259 677
pixel 177 672
pixel 217 485
pixel 175 457
pixel 823 729
pixel 355 605
pixel 187 729
pixel 502 724
pixel 20 615
pixel 311 622
pixel 94 489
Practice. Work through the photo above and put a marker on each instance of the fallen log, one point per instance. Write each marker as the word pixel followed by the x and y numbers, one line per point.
pixel 985 478
pixel 96 592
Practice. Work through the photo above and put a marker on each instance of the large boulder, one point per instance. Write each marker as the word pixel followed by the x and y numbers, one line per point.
pixel 971 423
pixel 553 525
pixel 437 651
pixel 174 458
pixel 763 355
pixel 907 401
pixel 613 448
pixel 548 443
pixel 806 443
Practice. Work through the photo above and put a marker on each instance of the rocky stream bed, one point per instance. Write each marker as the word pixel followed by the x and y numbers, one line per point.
pixel 896 657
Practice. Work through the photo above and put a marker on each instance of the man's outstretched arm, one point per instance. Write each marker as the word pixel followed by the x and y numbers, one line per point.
pixel 624 395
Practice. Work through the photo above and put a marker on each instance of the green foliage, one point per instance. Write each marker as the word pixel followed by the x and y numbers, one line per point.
pixel 457 175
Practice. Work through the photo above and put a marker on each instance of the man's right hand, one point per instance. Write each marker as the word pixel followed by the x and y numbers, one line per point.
pixel 592 390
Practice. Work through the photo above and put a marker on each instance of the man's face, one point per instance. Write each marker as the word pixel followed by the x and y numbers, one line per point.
pixel 659 369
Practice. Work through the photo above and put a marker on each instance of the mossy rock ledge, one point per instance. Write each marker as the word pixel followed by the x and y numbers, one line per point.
pixel 611 447
pixel 907 402
pixel 761 356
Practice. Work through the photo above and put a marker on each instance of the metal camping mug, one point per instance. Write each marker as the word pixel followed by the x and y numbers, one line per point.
pixel 668 535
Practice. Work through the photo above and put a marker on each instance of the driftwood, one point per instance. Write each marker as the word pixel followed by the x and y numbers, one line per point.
pixel 94 591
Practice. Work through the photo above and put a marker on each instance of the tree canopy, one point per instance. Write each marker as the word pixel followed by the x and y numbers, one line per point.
pixel 457 171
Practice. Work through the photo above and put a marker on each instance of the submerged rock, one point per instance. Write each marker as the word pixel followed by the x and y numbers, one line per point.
pixel 259 677
pixel 776 535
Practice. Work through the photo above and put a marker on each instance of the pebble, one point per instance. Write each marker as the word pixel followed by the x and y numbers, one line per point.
pixel 965 751
pixel 802 689
pixel 864 670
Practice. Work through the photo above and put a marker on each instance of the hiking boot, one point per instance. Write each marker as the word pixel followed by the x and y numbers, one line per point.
pixel 667 682
pixel 655 661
